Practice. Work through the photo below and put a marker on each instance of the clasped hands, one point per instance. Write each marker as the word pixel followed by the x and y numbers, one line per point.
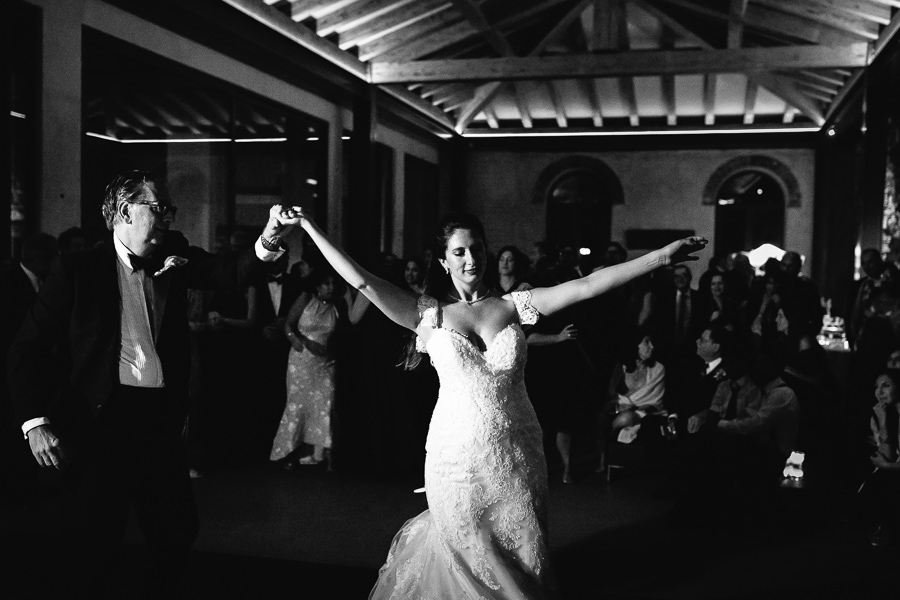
pixel 281 220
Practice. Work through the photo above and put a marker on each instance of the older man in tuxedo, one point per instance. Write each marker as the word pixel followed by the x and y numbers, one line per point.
pixel 109 413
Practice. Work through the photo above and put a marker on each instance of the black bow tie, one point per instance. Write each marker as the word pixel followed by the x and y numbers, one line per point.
pixel 276 278
pixel 138 262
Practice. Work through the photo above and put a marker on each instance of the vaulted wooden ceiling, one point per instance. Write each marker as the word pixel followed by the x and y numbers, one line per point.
pixel 588 66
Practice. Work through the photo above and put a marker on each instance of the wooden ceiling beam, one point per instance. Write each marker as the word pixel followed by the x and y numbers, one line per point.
pixel 304 9
pixel 524 114
pixel 776 22
pixel 427 45
pixel 736 8
pixel 486 93
pixel 422 38
pixel 391 22
pixel 619 64
pixel 355 14
pixel 476 18
pixel 750 102
pixel 773 83
pixel 491 117
pixel 831 18
pixel 281 23
pixel 559 106
pixel 594 95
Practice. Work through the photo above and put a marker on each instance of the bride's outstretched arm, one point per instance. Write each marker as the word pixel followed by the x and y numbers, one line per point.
pixel 395 302
pixel 552 299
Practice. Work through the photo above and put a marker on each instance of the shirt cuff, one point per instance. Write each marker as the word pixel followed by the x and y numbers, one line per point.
pixel 32 423
pixel 266 255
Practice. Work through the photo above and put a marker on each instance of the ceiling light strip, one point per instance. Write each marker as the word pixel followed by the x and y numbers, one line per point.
pixel 641 133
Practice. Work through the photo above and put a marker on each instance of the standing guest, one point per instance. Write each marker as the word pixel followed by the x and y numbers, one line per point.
pixel 414 275
pixel 276 291
pixel 111 417
pixel 863 291
pixel 485 474
pixel 802 290
pixel 512 270
pixel 309 327
pixel 19 285
pixel 72 240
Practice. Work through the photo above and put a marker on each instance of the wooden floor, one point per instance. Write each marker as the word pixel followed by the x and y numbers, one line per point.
pixel 318 534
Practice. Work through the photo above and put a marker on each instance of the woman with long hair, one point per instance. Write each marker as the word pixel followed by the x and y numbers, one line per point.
pixel 512 270
pixel 484 533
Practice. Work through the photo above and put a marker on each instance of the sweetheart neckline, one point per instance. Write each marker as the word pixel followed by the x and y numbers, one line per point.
pixel 471 343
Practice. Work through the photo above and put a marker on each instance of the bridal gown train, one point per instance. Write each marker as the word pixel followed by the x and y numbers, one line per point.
pixel 484 534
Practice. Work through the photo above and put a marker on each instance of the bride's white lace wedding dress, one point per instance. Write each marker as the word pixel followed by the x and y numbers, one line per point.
pixel 484 534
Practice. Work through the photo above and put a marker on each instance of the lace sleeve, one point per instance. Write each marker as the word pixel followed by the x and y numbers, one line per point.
pixel 428 316
pixel 528 315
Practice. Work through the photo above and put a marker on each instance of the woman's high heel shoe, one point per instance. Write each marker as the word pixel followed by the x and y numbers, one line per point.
pixel 309 461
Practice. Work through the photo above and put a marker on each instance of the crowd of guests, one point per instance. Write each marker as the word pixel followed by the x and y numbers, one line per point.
pixel 719 381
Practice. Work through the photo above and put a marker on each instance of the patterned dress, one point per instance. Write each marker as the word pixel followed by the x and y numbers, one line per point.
pixel 483 536
pixel 310 386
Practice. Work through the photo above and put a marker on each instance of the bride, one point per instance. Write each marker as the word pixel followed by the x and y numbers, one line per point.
pixel 484 534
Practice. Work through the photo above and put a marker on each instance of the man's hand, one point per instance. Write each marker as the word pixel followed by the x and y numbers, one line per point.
pixel 48 451
pixel 696 422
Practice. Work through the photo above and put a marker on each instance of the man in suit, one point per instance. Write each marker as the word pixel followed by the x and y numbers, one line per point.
pixel 276 290
pixel 703 378
pixel 108 414
pixel 19 285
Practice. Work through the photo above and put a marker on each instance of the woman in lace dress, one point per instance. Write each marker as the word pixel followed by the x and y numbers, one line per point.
pixel 309 327
pixel 484 533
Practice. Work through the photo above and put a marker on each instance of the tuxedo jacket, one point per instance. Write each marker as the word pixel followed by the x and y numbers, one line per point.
pixel 77 312
pixel 695 391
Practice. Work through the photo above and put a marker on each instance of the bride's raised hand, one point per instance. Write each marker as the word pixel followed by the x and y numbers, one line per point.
pixel 683 250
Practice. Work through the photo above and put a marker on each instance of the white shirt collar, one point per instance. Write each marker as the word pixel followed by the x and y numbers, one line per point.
pixel 123 252
pixel 35 281
pixel 711 365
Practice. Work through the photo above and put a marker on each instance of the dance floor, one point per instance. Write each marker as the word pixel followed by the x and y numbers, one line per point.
pixel 317 534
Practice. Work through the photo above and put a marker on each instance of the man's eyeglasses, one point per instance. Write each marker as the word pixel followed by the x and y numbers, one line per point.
pixel 158 209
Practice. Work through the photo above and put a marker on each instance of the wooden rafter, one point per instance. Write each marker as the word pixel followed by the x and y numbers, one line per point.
pixel 750 102
pixel 304 9
pixel 486 93
pixel 590 87
pixel 476 18
pixel 416 39
pixel 559 107
pixel 391 22
pixel 837 20
pixel 619 64
pixel 772 82
pixel 356 14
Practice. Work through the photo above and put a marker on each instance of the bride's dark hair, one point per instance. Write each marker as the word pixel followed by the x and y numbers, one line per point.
pixel 437 281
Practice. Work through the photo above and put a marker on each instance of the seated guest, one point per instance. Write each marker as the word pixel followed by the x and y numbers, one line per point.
pixel 879 494
pixel 698 385
pixel 750 427
pixel 637 387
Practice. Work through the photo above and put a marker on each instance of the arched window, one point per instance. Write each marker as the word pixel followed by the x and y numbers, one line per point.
pixel 750 194
pixel 749 212
pixel 578 213
pixel 578 192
